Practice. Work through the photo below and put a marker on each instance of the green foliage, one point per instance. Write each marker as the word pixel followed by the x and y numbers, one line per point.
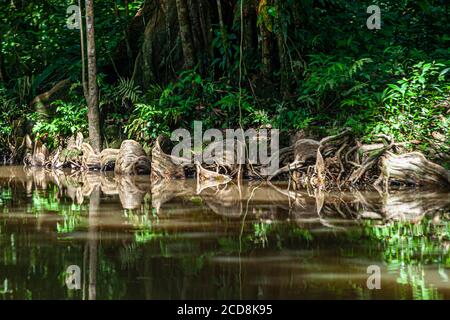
pixel 10 117
pixel 226 45
pixel 67 120
pixel 6 105
pixel 127 89
pixel 190 98
pixel 327 81
pixel 414 107
pixel 147 122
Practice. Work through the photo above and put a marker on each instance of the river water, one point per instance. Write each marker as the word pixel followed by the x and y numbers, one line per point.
pixel 175 240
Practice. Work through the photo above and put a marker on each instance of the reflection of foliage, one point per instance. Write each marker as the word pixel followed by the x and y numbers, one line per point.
pixel 408 247
pixel 69 224
pixel 144 224
pixel 5 197
pixel 43 203
pixel 279 234
pixel 415 276
pixel 260 233
pixel 49 202
pixel 408 242
pixel 168 258
pixel 147 235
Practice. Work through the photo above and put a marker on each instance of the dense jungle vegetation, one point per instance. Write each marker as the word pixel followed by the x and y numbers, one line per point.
pixel 310 65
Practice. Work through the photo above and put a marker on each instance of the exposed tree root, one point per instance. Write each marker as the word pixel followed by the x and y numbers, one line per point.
pixel 342 162
pixel 338 162
pixel 164 165
pixel 413 169
pixel 131 159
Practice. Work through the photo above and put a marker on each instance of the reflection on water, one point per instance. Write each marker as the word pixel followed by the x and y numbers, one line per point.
pixel 175 240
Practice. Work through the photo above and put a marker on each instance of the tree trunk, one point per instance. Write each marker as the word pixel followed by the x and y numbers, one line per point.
pixel 186 34
pixel 205 8
pixel 265 46
pixel 83 57
pixel 92 102
pixel 249 24
pixel 194 15
pixel 205 25
pixel 281 42
pixel 223 32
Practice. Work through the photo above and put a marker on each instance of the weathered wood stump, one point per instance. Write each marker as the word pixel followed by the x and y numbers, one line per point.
pixel 132 159
pixel 413 169
pixel 164 165
pixel 108 159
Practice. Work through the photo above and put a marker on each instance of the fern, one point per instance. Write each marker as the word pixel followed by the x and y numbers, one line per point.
pixel 127 89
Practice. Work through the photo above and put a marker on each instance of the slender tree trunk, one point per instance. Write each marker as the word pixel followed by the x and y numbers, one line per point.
pixel 127 38
pixel 205 28
pixel 284 85
pixel 281 42
pixel 200 46
pixel 265 49
pixel 186 34
pixel 83 57
pixel 194 15
pixel 206 9
pixel 223 32
pixel 249 23
pixel 93 109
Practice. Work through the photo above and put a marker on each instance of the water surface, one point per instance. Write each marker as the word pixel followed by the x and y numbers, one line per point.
pixel 176 240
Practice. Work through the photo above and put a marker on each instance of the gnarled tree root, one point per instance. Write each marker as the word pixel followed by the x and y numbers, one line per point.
pixel 342 162
pixel 131 159
pixel 412 169
pixel 165 166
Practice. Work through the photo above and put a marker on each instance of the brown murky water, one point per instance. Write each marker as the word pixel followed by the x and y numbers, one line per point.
pixel 132 240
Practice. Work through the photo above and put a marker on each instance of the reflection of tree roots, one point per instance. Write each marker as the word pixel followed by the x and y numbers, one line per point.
pixel 261 200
